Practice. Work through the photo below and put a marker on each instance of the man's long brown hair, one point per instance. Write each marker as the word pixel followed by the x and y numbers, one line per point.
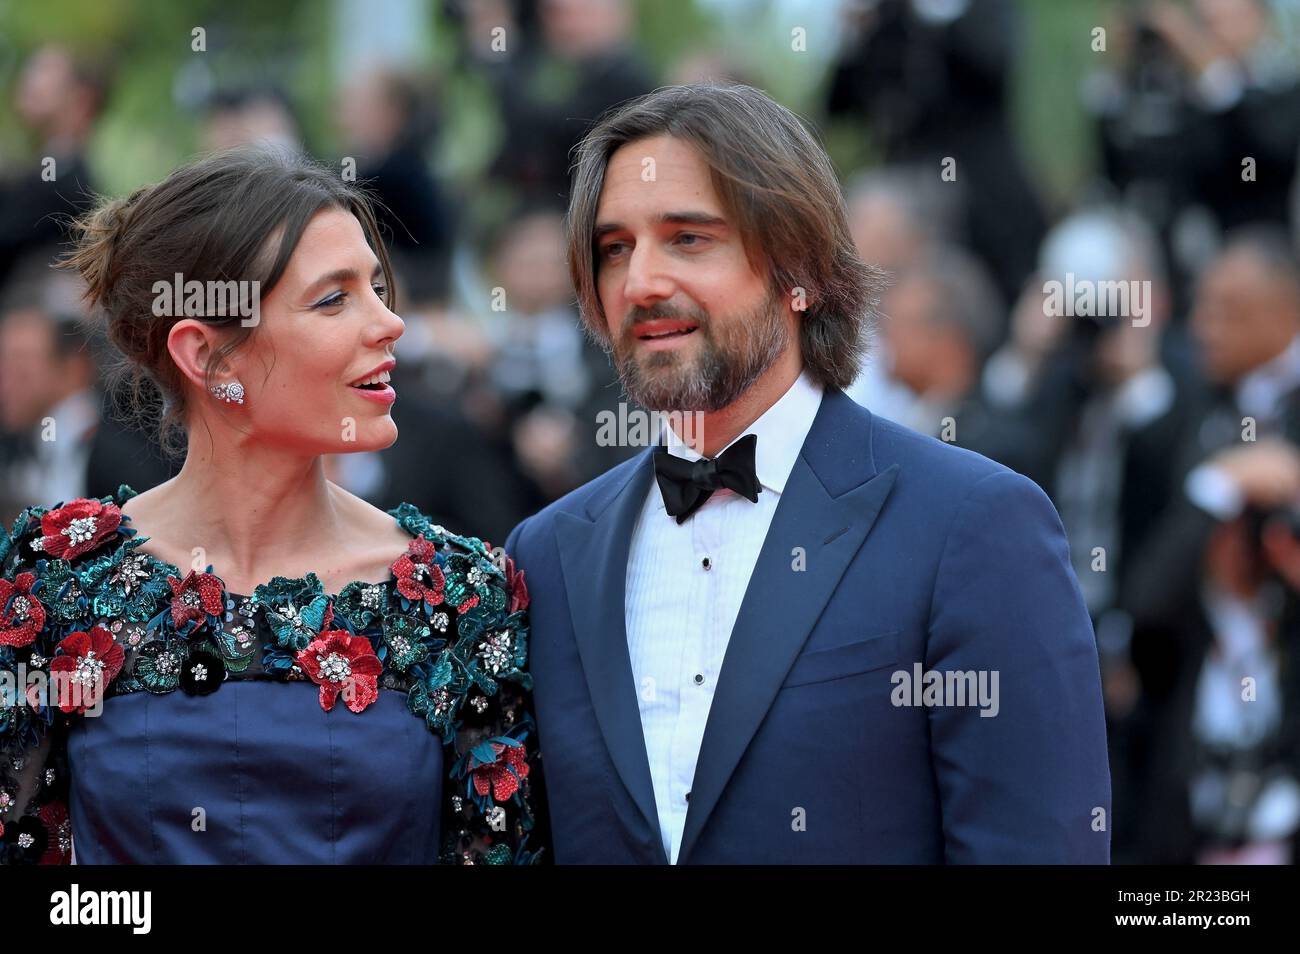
pixel 779 190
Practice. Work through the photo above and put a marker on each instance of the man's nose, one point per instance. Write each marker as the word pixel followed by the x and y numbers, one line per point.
pixel 646 281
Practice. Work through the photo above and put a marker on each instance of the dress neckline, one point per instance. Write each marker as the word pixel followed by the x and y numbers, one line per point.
pixel 174 570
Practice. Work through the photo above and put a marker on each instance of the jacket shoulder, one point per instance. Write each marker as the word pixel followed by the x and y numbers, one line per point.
pixel 949 463
pixel 590 498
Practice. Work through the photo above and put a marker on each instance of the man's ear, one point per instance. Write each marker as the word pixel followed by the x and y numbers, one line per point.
pixel 191 344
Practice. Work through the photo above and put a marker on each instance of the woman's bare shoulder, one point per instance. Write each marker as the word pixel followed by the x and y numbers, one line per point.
pixel 368 522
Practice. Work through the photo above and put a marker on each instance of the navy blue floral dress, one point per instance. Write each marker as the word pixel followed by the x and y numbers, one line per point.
pixel 148 715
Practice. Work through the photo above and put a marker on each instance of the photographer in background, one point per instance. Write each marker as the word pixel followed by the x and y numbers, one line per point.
pixel 932 82
pixel 1216 626
pixel 943 317
pixel 1198 107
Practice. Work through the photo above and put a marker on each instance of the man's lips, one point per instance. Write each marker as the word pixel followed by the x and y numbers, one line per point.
pixel 663 328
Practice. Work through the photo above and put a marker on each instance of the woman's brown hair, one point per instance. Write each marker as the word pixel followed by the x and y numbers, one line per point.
pixel 232 216
pixel 779 188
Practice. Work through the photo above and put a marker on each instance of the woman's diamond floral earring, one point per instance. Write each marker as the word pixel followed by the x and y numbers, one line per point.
pixel 232 393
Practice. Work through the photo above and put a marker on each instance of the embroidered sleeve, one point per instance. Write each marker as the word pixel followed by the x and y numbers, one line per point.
pixel 54 665
pixel 490 810
pixel 473 688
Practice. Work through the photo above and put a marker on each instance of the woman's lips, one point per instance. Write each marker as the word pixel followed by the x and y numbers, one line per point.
pixel 384 395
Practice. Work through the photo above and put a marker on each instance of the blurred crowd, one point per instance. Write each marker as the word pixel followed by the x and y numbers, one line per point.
pixel 1164 421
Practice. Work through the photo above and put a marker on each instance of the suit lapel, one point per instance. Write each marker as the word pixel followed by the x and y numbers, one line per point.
pixel 830 503
pixel 593 555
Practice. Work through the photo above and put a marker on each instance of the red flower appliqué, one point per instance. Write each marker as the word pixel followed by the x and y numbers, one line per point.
pixel 22 615
pixel 92 661
pixel 517 588
pixel 196 597
pixel 58 850
pixel 497 776
pixel 78 527
pixel 418 576
pixel 339 662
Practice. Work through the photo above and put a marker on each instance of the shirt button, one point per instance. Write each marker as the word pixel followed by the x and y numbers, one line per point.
pixel 699 679
pixel 706 563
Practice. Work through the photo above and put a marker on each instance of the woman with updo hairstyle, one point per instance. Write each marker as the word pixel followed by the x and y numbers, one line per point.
pixel 247 663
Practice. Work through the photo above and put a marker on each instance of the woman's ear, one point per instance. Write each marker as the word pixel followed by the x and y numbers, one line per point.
pixel 192 344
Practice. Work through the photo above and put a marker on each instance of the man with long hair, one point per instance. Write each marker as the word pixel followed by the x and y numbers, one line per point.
pixel 792 631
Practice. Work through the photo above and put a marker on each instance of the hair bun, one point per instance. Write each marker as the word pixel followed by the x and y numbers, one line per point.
pixel 95 238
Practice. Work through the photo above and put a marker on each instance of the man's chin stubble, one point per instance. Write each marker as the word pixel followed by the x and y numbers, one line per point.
pixel 706 384
pixel 665 382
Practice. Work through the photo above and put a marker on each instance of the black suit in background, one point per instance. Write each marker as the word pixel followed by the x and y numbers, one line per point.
pixel 1170 649
pixel 34 213
pixel 1162 594
pixel 416 217
pixel 120 454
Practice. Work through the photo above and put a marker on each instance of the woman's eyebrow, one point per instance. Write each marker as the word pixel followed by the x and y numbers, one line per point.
pixel 342 276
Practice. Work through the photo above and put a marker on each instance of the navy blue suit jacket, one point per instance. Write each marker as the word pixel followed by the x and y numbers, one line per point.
pixel 913 552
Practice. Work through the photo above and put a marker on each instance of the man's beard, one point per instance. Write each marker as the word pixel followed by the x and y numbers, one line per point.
pixel 727 362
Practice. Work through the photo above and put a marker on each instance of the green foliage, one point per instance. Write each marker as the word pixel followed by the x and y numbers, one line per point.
pixel 150 124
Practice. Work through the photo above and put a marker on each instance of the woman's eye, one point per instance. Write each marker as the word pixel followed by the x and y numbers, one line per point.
pixel 380 289
pixel 333 301
pixel 612 249
pixel 690 238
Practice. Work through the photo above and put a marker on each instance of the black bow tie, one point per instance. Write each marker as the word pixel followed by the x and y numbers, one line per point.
pixel 686 484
